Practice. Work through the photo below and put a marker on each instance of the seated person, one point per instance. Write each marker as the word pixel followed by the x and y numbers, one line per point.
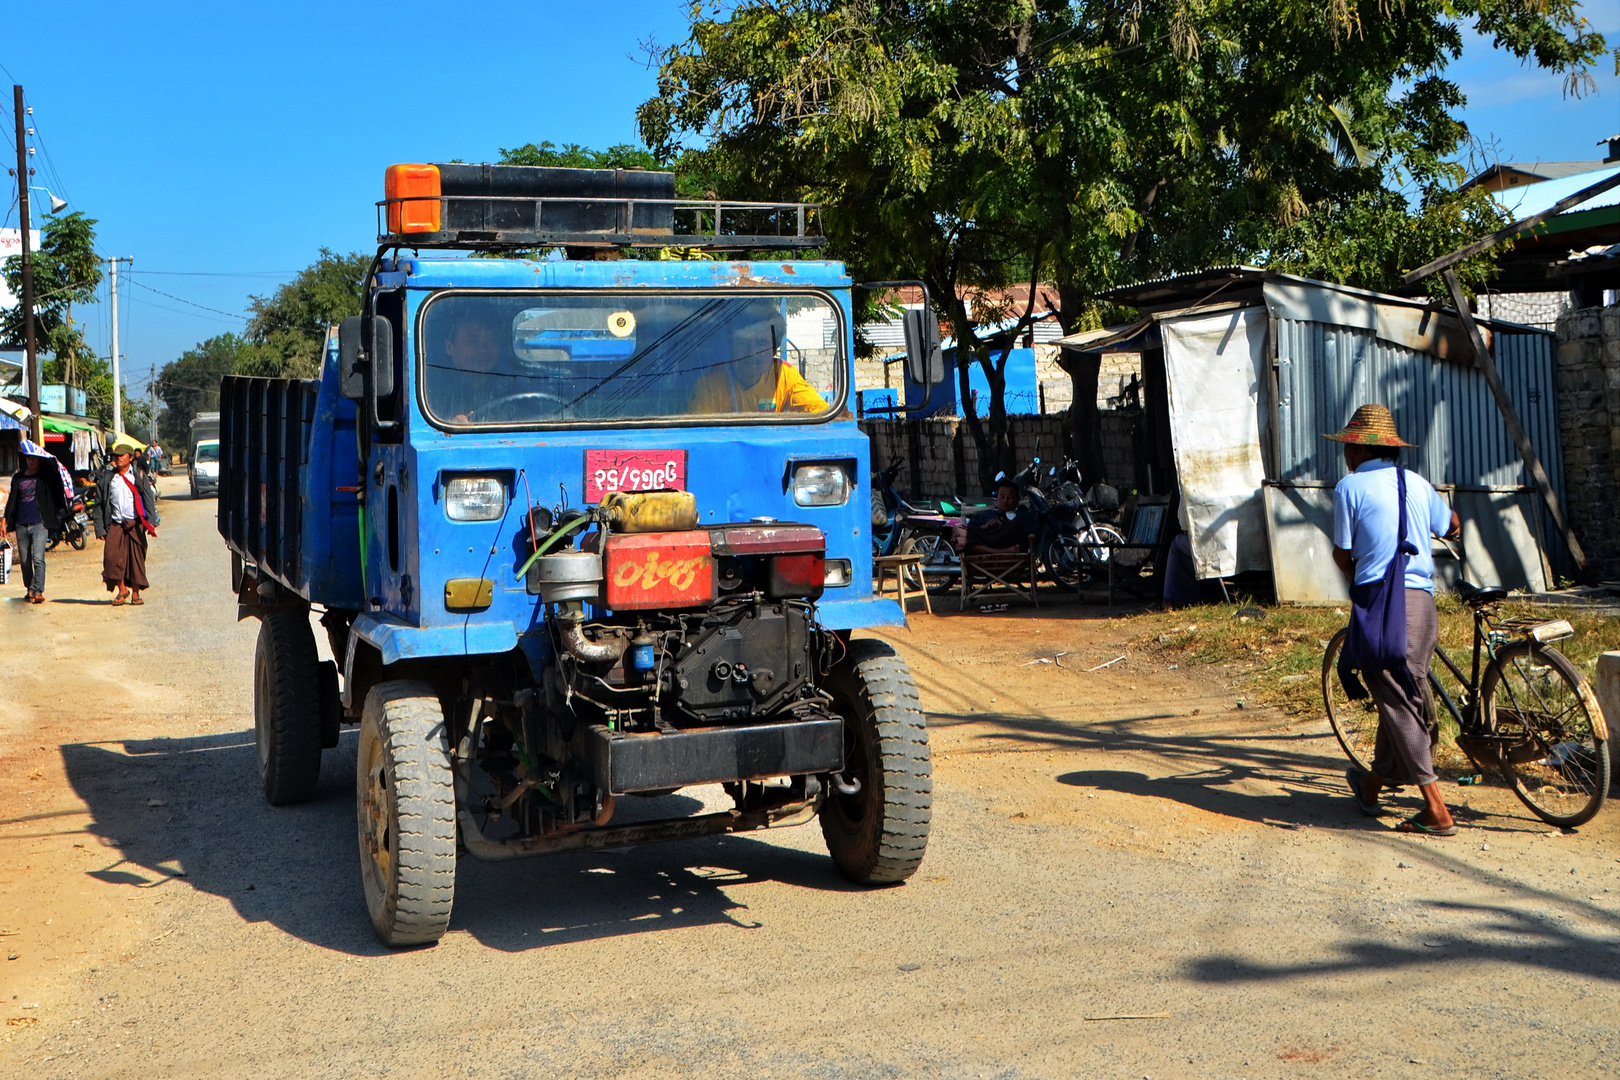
pixel 474 352
pixel 997 531
pixel 755 380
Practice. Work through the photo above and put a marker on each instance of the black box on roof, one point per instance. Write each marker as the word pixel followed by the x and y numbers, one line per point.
pixel 504 198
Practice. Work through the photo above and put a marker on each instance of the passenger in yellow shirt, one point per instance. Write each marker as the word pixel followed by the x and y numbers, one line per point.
pixel 755 380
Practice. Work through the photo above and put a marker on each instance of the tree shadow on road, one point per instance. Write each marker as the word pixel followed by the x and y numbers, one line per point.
pixel 1286 778
pixel 1536 935
pixel 190 809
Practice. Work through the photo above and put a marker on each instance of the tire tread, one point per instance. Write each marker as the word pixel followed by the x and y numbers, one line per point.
pixel 293 769
pixel 884 682
pixel 410 724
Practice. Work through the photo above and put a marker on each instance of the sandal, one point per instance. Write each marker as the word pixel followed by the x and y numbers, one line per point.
pixel 120 600
pixel 136 602
pixel 1414 824
pixel 1354 776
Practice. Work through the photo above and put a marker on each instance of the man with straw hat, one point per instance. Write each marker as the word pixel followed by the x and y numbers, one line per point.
pixel 1383 517
pixel 126 514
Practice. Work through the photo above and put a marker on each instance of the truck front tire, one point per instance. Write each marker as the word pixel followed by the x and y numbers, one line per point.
pixel 405 803
pixel 877 836
pixel 287 707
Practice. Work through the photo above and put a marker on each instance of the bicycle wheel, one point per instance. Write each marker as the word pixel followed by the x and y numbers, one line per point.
pixel 1545 721
pixel 1354 723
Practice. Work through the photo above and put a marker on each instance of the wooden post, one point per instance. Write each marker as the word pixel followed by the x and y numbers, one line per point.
pixel 1510 416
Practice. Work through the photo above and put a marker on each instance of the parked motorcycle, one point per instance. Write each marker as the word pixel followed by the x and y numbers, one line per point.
pixel 75 528
pixel 903 527
pixel 1087 520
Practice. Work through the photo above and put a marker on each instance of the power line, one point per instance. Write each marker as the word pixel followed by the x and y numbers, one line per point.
pixel 183 300
pixel 174 310
pixel 221 273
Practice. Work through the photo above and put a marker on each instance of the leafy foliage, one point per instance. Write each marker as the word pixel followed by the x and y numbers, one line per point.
pixel 288 329
pixel 689 182
pixel 980 143
pixel 67 271
pixel 190 384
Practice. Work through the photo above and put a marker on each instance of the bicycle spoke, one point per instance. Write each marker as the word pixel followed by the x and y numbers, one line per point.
pixel 1547 741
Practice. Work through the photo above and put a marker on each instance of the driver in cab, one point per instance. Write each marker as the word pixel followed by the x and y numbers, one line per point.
pixel 474 352
pixel 756 380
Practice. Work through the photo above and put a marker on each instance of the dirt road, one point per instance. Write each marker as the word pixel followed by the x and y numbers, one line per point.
pixel 1122 842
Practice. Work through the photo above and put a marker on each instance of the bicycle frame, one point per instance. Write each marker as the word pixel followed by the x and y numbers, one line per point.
pixel 1490 632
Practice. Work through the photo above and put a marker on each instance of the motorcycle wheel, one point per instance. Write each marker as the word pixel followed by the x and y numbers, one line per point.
pixel 1064 562
pixel 79 541
pixel 1094 551
pixel 940 564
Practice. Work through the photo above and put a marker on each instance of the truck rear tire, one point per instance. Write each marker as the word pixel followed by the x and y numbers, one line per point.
pixel 878 835
pixel 405 804
pixel 287 707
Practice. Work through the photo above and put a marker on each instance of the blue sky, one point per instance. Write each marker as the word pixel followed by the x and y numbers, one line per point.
pixel 222 139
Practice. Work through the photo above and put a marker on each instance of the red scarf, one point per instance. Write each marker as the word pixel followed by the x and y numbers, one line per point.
pixel 140 508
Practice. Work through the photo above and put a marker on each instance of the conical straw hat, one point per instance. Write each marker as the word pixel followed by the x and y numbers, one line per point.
pixel 1372 425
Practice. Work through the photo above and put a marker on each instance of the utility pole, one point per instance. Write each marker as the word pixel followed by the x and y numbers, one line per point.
pixel 118 382
pixel 32 356
pixel 151 405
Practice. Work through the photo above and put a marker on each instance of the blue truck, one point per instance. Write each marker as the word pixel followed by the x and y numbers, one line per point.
pixel 578 530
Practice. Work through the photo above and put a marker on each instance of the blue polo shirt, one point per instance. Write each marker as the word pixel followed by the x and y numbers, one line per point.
pixel 1364 522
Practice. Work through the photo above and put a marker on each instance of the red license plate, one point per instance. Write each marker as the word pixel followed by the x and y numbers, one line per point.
pixel 633 470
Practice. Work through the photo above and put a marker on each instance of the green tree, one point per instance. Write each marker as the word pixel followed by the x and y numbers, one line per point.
pixel 288 328
pixel 190 384
pixel 689 182
pixel 1095 142
pixel 67 271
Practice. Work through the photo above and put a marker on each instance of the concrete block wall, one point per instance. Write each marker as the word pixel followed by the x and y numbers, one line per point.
pixel 1118 436
pixel 1589 423
pixel 947 460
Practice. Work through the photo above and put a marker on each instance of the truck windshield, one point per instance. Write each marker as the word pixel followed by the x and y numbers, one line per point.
pixel 505 359
pixel 208 451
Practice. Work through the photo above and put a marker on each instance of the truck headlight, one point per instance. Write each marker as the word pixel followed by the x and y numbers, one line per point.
pixel 839 573
pixel 820 485
pixel 474 498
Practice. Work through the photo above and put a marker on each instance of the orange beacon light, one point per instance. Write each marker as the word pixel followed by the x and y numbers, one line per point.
pixel 419 186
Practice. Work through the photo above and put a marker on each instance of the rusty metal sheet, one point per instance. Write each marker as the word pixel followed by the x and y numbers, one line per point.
pixel 1299 528
pixel 1501 544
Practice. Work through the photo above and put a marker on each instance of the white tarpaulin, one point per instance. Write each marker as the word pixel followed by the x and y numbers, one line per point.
pixel 1213 365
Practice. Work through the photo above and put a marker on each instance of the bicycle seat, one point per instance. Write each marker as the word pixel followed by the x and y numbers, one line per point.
pixel 1480 595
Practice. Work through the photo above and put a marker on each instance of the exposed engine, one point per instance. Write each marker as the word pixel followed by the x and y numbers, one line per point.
pixel 707 626
pixel 698 659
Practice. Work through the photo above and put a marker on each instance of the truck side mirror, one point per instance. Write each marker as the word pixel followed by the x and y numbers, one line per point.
pixel 925 364
pixel 365 343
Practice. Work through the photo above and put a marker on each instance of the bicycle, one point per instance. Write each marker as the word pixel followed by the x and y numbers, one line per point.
pixel 1529 712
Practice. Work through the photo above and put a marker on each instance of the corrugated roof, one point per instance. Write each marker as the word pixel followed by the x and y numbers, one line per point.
pixel 1522 202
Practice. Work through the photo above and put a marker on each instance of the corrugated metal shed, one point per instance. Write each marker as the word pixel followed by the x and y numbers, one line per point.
pixel 1329 349
pixel 1325 371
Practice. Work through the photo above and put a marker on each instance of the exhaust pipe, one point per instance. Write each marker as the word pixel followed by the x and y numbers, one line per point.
pixel 571 623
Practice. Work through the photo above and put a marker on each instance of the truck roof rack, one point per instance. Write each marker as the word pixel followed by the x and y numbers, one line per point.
pixel 496 207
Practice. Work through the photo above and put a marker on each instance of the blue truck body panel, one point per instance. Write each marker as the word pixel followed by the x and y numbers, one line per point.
pixel 331 552
pixel 391 556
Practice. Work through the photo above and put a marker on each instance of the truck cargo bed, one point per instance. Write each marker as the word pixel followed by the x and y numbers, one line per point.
pixel 285 451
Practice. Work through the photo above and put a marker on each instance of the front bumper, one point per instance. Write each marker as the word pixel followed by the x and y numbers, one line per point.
pixel 624 763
